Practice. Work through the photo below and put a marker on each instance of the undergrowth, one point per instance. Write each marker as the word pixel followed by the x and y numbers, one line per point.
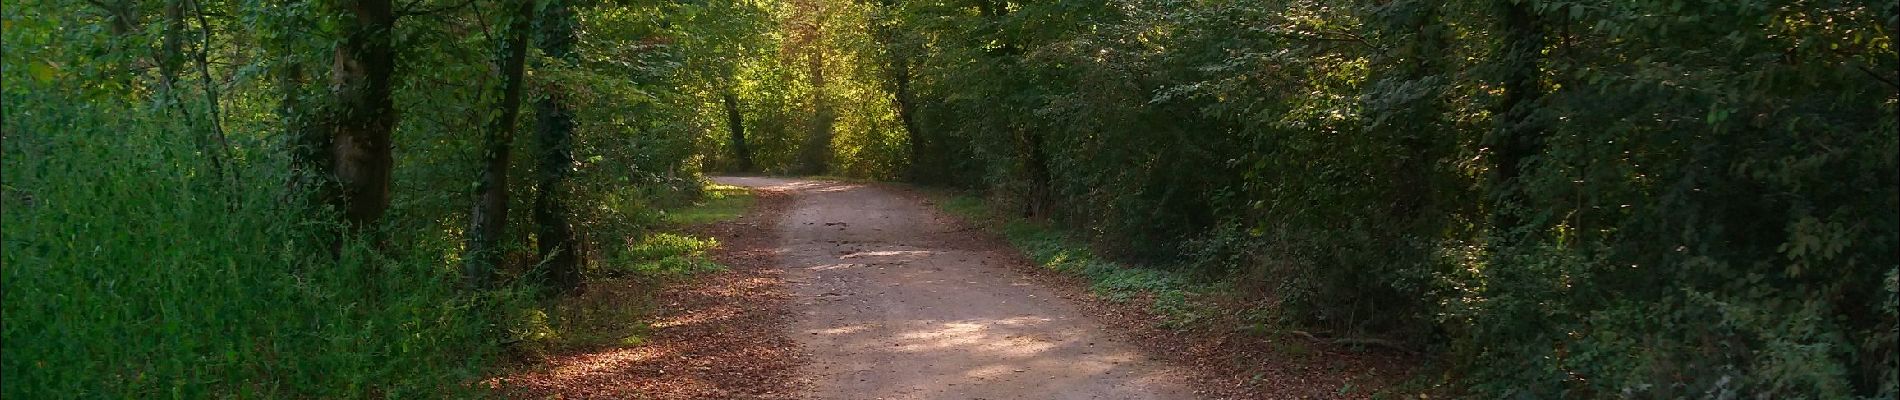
pixel 614 309
pixel 720 203
pixel 1169 294
pixel 134 269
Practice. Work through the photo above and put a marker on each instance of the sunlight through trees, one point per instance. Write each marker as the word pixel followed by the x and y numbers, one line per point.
pixel 1550 198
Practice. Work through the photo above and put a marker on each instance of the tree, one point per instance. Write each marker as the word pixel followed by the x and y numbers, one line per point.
pixel 1517 136
pixel 355 150
pixel 554 130
pixel 735 123
pixel 807 24
pixel 896 55
pixel 489 217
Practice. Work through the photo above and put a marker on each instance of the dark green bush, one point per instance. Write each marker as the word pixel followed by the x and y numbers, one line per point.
pixel 1673 199
pixel 134 270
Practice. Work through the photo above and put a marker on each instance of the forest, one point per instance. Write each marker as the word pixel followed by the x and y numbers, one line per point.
pixel 392 198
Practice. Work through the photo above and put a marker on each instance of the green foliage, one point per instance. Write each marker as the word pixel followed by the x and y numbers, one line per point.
pixel 1687 171
pixel 1169 294
pixel 720 203
pixel 665 255
pixel 611 313
pixel 819 55
pixel 614 312
pixel 134 270
pixel 1562 198
pixel 159 244
pixel 643 251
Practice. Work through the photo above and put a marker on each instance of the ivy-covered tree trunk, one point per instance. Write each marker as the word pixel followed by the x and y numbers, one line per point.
pixel 1413 72
pixel 363 117
pixel 1031 159
pixel 123 23
pixel 171 54
pixel 1036 165
pixel 906 102
pixel 554 130
pixel 898 75
pixel 1516 137
pixel 125 16
pixel 818 146
pixel 489 219
pixel 807 36
pixel 735 122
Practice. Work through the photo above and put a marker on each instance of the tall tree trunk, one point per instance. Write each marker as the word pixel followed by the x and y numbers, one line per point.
pixel 554 129
pixel 171 62
pixel 171 55
pixel 1517 137
pixel 898 74
pixel 125 16
pixel 1035 158
pixel 907 114
pixel 362 78
pixel 217 146
pixel 818 147
pixel 736 123
pixel 124 22
pixel 489 218
pixel 1415 125
pixel 1031 156
pixel 806 27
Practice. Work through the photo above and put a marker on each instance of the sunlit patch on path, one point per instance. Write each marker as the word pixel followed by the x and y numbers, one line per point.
pixel 891 301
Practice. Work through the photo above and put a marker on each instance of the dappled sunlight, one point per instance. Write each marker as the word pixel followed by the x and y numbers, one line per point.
pixel 1016 350
pixel 775 183
pixel 989 371
pixel 828 267
pixel 582 366
pixel 1024 320
pixel 895 310
pixel 844 330
pixel 1007 337
pixel 955 333
pixel 903 255
pixel 799 186
pixel 710 314
pixel 837 187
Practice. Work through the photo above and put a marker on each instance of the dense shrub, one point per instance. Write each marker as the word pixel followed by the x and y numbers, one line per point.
pixel 1564 198
pixel 166 234
pixel 134 269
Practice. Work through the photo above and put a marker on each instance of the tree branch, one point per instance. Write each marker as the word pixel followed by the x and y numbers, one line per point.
pixel 1877 76
pixel 211 91
pixel 408 10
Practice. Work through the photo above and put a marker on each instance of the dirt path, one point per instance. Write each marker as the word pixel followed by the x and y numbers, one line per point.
pixel 892 301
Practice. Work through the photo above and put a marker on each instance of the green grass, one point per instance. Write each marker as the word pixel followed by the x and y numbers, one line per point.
pixel 612 312
pixel 662 252
pixel 666 255
pixel 1167 293
pixel 969 208
pixel 722 203
pixel 133 271
pixel 615 309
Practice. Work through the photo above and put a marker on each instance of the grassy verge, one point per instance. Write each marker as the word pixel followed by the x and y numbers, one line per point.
pixel 1166 293
pixel 721 203
pixel 133 271
pixel 1183 303
pixel 615 308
